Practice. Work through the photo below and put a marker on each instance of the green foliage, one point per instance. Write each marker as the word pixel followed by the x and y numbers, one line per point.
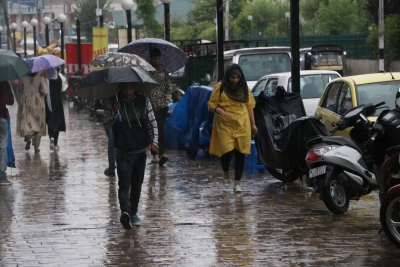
pixel 146 11
pixel 309 8
pixel 85 11
pixel 340 17
pixel 391 39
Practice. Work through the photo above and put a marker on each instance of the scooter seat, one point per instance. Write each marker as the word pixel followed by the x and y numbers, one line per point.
pixel 336 140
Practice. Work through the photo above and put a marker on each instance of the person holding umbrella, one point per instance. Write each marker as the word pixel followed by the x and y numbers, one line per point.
pixel 31 115
pixel 134 132
pixel 6 98
pixel 160 97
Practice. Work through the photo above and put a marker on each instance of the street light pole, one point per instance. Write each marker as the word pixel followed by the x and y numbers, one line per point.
pixel 61 19
pixel 167 25
pixel 127 5
pixel 250 18
pixel 24 25
pixel 1 29
pixel 13 27
pixel 34 23
pixel 287 16
pixel 46 21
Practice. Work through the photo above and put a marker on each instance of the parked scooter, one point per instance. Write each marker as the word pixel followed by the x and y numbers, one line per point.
pixel 342 169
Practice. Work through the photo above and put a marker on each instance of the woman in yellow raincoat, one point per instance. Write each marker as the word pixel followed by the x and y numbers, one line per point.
pixel 232 103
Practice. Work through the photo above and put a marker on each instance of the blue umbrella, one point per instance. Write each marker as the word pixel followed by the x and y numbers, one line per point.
pixel 43 62
pixel 171 56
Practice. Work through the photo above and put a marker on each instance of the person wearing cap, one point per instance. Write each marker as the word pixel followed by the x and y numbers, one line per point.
pixel 160 97
pixel 233 103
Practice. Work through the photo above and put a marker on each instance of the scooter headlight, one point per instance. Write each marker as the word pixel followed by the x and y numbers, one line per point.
pixel 315 153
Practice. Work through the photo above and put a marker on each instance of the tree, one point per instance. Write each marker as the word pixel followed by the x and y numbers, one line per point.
pixel 85 11
pixel 340 16
pixel 389 7
pixel 146 11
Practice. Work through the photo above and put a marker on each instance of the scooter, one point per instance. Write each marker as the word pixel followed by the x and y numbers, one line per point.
pixel 340 168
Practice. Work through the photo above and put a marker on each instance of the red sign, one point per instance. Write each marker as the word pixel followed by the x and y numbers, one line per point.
pixel 86 57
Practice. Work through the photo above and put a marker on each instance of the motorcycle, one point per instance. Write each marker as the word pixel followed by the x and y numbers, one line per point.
pixel 283 130
pixel 342 169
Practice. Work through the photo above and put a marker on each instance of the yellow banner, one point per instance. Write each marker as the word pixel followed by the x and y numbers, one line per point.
pixel 123 36
pixel 100 41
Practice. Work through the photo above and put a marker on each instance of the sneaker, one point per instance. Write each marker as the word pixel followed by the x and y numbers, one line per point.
pixel 226 180
pixel 5 181
pixel 237 189
pixel 135 220
pixel 51 144
pixel 125 220
pixel 37 150
pixel 28 145
pixel 163 160
pixel 155 160
pixel 109 172
pixel 56 148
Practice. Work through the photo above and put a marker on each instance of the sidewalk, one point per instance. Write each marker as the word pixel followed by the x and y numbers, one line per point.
pixel 61 210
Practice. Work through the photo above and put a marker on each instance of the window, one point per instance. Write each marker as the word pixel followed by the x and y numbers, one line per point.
pixel 330 101
pixel 271 86
pixel 345 100
pixel 259 87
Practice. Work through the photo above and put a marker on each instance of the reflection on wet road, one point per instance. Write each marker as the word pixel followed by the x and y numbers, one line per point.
pixel 63 211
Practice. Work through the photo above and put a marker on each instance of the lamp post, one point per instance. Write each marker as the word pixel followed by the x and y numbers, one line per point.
pixel 250 18
pixel 34 23
pixel 61 19
pixel 1 29
pixel 287 16
pixel 13 28
pixel 24 25
pixel 47 21
pixel 127 5
pixel 167 25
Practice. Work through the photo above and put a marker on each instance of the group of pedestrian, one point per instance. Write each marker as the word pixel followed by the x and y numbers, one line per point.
pixel 40 107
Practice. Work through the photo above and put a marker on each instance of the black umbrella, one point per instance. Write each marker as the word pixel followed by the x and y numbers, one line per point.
pixel 104 83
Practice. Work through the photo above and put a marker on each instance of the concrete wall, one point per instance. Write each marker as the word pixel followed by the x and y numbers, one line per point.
pixel 364 66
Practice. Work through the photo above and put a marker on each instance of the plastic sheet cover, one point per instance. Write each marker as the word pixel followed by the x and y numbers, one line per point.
pixel 281 138
pixel 190 125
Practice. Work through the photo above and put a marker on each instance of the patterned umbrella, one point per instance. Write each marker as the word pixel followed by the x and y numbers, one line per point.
pixel 104 83
pixel 171 56
pixel 12 67
pixel 120 59
pixel 43 62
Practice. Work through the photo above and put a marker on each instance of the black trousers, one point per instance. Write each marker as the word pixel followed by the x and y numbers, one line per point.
pixel 239 163
pixel 161 117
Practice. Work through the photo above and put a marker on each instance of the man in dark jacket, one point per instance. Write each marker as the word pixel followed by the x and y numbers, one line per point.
pixel 6 98
pixel 134 132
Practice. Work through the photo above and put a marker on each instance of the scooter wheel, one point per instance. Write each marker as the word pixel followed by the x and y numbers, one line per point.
pixel 335 197
pixel 390 217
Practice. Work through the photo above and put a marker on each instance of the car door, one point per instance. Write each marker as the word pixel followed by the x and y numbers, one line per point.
pixel 328 105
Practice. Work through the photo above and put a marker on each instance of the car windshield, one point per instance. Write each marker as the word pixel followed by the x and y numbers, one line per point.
pixel 257 65
pixel 312 85
pixel 378 92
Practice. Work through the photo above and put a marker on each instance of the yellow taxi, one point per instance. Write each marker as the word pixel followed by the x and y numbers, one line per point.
pixel 344 93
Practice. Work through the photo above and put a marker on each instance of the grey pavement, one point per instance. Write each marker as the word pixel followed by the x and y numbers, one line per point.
pixel 61 210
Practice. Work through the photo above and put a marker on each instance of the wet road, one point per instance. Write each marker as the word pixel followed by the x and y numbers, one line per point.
pixel 61 210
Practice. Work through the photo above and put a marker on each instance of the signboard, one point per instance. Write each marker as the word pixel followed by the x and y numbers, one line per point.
pixel 100 41
pixel 86 57
pixel 123 36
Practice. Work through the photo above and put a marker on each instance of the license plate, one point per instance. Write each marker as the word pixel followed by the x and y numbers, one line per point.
pixel 317 171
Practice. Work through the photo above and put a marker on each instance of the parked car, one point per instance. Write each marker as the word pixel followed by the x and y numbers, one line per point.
pixel 312 84
pixel 344 93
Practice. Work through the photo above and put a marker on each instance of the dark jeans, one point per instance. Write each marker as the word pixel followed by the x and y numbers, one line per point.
pixel 161 117
pixel 130 169
pixel 110 149
pixel 239 163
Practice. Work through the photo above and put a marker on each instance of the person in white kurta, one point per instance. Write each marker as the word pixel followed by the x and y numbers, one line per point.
pixel 31 118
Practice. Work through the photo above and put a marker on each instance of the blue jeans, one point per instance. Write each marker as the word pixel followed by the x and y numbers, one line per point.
pixel 130 169
pixel 110 149
pixel 3 148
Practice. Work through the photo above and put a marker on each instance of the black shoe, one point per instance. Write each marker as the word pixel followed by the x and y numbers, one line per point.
pixel 125 220
pixel 109 173
pixel 162 160
pixel 28 145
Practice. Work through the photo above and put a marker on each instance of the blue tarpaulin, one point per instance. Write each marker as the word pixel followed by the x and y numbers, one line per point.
pixel 190 124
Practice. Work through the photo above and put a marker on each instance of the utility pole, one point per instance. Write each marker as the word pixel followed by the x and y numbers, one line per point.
pixel 227 20
pixel 381 20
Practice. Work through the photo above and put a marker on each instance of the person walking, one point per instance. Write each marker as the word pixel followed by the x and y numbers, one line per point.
pixel 55 118
pixel 134 132
pixel 31 116
pixel 6 98
pixel 232 103
pixel 160 97
pixel 107 119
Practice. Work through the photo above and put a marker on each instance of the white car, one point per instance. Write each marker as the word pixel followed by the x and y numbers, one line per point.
pixel 112 47
pixel 312 84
